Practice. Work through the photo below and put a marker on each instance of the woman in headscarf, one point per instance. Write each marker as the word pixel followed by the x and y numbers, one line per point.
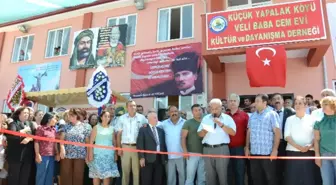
pixel 20 150
pixel 325 141
pixel 45 151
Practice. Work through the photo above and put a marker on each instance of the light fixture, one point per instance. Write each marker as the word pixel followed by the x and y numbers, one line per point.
pixel 139 4
pixel 23 28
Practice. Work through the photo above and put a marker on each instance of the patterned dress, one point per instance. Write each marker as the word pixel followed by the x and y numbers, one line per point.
pixel 103 164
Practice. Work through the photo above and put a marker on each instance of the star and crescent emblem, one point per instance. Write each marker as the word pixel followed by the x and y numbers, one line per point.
pixel 266 61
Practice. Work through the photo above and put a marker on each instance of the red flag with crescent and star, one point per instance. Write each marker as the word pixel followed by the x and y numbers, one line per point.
pixel 266 66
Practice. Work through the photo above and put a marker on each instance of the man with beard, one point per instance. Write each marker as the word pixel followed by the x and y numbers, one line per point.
pixel 283 113
pixel 82 53
pixel 113 52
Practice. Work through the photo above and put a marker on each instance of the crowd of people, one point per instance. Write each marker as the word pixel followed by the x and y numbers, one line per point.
pixel 267 127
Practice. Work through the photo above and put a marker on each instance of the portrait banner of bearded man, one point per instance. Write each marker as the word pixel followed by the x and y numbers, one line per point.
pixel 83 49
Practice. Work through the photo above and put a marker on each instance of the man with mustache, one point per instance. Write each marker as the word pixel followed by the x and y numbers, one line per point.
pixel 82 53
pixel 173 128
pixel 186 68
pixel 283 113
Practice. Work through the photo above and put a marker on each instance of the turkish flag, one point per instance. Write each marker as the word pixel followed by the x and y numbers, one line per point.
pixel 266 66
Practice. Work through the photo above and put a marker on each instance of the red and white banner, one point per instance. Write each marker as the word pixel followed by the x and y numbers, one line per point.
pixel 16 94
pixel 170 71
pixel 266 66
pixel 279 23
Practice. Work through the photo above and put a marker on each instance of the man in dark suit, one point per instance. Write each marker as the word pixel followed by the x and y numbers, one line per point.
pixel 187 77
pixel 284 113
pixel 152 165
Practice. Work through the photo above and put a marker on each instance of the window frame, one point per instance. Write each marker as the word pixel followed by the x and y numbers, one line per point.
pixel 333 83
pixel 48 36
pixel 5 108
pixel 192 102
pixel 248 5
pixel 126 18
pixel 165 102
pixel 181 22
pixel 126 95
pixel 13 50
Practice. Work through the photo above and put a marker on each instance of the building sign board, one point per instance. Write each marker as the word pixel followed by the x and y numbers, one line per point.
pixel 279 23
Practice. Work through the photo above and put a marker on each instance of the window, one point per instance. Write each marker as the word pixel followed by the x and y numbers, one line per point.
pixel 334 84
pixel 234 4
pixel 22 48
pixel 58 42
pixel 161 102
pixel 175 23
pixel 183 103
pixel 126 95
pixel 131 21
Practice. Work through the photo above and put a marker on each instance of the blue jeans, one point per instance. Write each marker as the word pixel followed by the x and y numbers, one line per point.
pixel 236 169
pixel 45 171
pixel 328 170
pixel 195 164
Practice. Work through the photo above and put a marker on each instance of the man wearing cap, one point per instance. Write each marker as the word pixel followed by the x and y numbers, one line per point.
pixel 186 73
pixel 186 68
pixel 82 52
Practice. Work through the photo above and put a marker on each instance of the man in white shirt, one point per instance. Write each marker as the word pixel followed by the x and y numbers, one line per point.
pixel 215 129
pixel 318 114
pixel 128 126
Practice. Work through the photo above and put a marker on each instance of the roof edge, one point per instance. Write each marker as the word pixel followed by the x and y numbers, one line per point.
pixel 65 10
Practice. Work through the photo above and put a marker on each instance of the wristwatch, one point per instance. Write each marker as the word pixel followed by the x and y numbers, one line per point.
pixel 222 126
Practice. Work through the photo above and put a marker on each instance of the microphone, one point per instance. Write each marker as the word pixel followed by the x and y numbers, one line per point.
pixel 214 115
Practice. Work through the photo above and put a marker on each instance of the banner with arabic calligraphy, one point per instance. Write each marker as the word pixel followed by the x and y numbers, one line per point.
pixel 99 89
pixel 16 94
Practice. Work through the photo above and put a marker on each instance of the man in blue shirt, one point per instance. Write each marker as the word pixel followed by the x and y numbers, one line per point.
pixel 173 128
pixel 215 129
pixel 262 139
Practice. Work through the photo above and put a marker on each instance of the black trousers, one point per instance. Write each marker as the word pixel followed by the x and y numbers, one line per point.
pixel 19 173
pixel 298 171
pixel 152 173
pixel 87 180
pixel 280 162
pixel 263 171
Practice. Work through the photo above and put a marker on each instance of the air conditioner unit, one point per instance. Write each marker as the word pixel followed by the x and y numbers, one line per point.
pixel 139 4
